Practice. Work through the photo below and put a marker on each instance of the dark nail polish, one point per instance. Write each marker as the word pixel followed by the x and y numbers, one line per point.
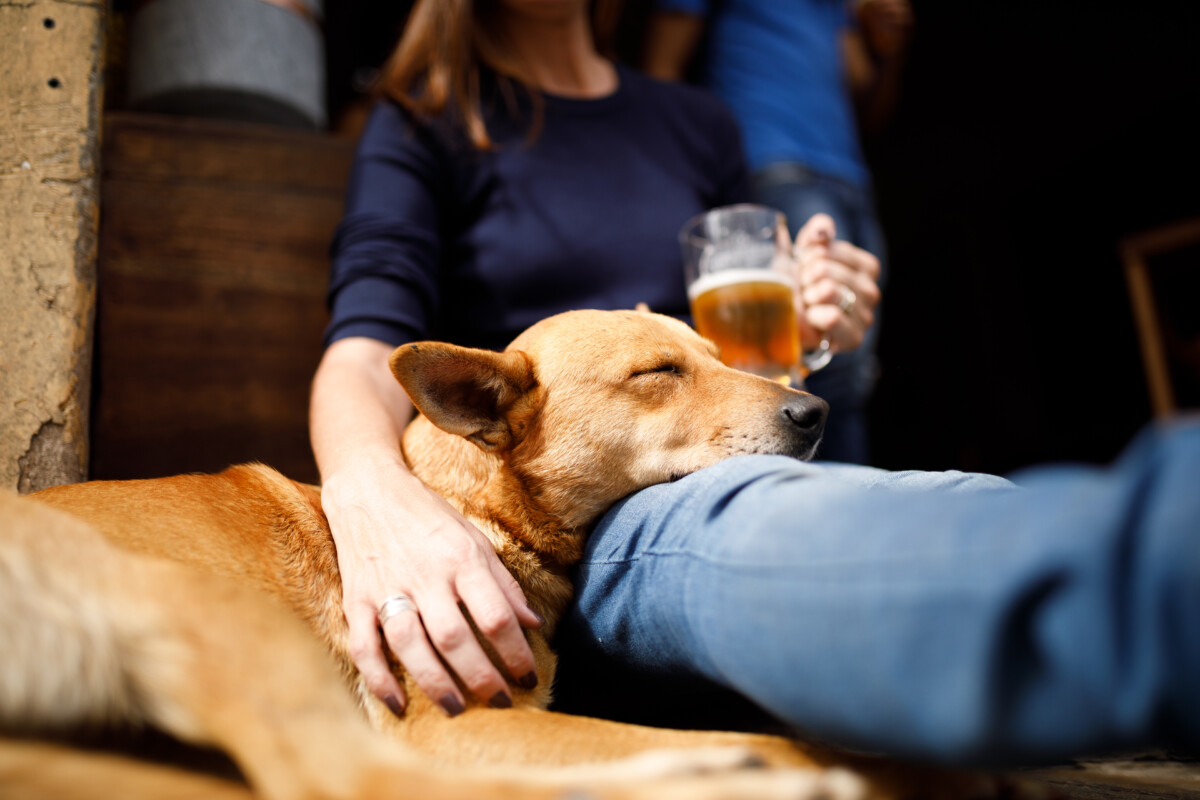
pixel 450 705
pixel 393 705
pixel 500 700
pixel 540 619
pixel 528 681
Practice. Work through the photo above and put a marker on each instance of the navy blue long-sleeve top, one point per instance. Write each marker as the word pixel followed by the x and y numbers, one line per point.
pixel 444 241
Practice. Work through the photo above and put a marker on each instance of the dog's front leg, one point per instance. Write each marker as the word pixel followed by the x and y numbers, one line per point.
pixel 545 738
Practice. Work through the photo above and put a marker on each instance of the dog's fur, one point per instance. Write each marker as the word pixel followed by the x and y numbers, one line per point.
pixel 531 445
pixel 95 636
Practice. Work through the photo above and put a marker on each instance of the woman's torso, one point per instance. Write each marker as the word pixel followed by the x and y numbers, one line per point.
pixel 584 216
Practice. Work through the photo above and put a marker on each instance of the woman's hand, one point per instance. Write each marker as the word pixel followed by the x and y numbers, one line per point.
pixel 395 537
pixel 836 286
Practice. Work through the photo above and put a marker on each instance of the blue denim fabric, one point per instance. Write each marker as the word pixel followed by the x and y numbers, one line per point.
pixel 849 379
pixel 951 617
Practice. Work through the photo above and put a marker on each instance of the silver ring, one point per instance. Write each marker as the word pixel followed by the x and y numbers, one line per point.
pixel 849 298
pixel 395 605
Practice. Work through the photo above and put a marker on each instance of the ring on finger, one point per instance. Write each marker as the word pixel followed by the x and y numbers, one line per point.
pixel 847 300
pixel 393 605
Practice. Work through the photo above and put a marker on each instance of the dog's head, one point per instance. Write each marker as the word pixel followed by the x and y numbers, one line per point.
pixel 588 406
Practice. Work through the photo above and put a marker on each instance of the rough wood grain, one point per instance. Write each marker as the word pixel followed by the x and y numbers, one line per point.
pixel 50 98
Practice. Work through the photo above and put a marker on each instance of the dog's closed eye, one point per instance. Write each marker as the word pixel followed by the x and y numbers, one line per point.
pixel 666 368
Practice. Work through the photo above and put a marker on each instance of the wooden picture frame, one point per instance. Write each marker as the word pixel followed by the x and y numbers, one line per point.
pixel 1162 270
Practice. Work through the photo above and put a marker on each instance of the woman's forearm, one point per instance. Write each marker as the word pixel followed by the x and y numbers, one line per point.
pixel 357 409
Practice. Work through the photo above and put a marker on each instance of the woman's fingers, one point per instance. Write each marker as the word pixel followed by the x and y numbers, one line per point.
pixel 856 258
pixel 837 287
pixel 455 641
pixel 406 637
pixel 366 650
pixel 837 313
pixel 843 262
pixel 852 292
pixel 827 322
pixel 435 641
pixel 429 554
pixel 438 627
pixel 818 230
pixel 495 618
pixel 515 595
pixel 497 607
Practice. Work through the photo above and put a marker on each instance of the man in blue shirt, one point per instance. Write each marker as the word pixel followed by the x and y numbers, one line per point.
pixel 790 73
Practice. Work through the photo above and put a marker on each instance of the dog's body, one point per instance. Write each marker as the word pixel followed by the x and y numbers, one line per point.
pixel 531 445
pixel 96 636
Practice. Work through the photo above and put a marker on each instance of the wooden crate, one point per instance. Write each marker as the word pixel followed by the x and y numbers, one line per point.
pixel 212 272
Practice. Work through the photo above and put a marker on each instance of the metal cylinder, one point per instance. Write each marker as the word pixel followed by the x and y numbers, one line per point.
pixel 248 60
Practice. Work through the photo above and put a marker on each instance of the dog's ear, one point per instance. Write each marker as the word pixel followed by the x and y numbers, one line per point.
pixel 467 392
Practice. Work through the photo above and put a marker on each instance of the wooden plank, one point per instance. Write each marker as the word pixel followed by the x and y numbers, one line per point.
pixel 50 96
pixel 213 268
pixel 1165 239
pixel 252 237
pixel 194 150
pixel 1145 315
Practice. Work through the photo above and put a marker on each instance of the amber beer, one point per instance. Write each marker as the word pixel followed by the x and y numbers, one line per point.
pixel 749 314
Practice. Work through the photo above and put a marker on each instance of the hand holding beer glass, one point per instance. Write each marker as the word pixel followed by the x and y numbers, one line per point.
pixel 742 285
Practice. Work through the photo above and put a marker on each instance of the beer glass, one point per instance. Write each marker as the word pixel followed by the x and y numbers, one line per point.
pixel 741 286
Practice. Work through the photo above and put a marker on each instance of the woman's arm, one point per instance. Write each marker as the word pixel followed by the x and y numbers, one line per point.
pixel 395 536
pixel 874 53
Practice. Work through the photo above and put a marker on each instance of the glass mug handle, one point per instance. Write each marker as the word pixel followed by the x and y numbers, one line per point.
pixel 818 358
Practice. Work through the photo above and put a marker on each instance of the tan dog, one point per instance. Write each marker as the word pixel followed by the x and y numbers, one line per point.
pixel 531 445
pixel 95 636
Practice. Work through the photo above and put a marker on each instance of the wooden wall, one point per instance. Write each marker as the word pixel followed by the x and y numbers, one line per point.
pixel 212 273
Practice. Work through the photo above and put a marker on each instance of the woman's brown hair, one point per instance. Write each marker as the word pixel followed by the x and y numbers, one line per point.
pixel 436 64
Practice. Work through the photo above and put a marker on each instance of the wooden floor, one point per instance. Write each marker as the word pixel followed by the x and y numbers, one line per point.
pixel 1148 775
pixel 148 758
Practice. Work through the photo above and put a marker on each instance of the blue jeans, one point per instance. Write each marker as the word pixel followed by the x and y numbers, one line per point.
pixel 849 379
pixel 949 617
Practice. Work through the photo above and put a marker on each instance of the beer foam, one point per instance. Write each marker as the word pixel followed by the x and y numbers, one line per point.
pixel 728 277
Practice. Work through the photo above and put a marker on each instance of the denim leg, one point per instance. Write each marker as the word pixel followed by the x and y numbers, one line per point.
pixel 936 615
pixel 849 379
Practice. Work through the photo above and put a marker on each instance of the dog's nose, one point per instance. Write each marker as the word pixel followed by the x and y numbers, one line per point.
pixel 807 413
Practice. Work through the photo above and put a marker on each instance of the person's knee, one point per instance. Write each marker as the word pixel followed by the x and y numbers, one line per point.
pixel 681 514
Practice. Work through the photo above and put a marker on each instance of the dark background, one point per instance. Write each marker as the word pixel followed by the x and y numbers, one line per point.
pixel 1030 139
